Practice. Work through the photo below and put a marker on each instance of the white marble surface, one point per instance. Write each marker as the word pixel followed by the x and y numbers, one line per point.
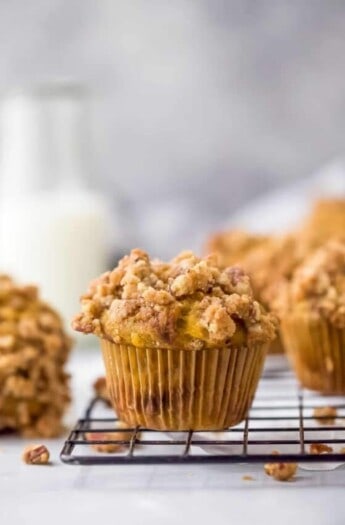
pixel 156 494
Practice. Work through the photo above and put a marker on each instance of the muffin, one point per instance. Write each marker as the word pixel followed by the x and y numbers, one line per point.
pixel 34 389
pixel 326 220
pixel 183 342
pixel 313 320
pixel 269 261
pixel 233 246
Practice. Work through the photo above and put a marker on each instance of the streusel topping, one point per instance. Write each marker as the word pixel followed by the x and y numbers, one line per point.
pixel 325 221
pixel 188 303
pixel 34 386
pixel 272 265
pixel 319 283
pixel 233 246
pixel 268 260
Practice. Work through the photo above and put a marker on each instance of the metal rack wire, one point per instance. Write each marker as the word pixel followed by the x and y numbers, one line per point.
pixel 281 419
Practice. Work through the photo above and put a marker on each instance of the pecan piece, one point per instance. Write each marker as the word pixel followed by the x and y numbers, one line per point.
pixel 281 471
pixel 36 455
pixel 325 415
pixel 320 448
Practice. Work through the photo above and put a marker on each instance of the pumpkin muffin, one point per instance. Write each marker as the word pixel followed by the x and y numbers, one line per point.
pixel 326 220
pixel 34 386
pixel 183 342
pixel 313 319
pixel 269 261
pixel 233 246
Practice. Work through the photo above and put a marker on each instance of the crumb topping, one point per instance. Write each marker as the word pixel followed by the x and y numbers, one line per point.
pixel 271 264
pixel 233 246
pixel 188 303
pixel 326 220
pixel 319 283
pixel 34 389
pixel 269 260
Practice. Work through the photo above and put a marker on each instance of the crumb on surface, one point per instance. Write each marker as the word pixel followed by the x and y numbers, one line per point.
pixel 110 436
pixel 320 448
pixel 325 415
pixel 36 455
pixel 247 477
pixel 281 471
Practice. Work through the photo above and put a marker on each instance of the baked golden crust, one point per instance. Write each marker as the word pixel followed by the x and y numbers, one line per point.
pixel 34 390
pixel 188 303
pixel 318 285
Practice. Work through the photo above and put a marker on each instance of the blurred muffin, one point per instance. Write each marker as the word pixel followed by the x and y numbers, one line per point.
pixel 272 264
pixel 326 220
pixel 313 323
pixel 34 390
pixel 183 342
pixel 269 261
pixel 233 246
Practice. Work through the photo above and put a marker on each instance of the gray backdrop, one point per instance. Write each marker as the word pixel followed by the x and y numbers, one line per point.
pixel 199 104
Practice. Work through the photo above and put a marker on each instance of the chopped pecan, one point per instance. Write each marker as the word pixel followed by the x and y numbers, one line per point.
pixel 36 455
pixel 281 471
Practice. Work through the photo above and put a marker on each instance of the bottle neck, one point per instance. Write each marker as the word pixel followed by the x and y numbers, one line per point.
pixel 41 141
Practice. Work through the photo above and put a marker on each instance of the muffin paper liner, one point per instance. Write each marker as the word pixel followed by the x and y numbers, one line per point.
pixel 182 390
pixel 316 351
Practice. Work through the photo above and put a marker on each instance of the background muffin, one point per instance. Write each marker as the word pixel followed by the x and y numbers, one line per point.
pixel 269 261
pixel 183 342
pixel 233 246
pixel 325 221
pixel 313 324
pixel 34 390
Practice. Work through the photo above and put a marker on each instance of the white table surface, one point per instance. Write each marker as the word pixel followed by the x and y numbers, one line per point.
pixel 203 494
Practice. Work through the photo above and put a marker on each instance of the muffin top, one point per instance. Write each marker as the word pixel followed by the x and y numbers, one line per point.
pixel 233 246
pixel 269 260
pixel 34 387
pixel 188 303
pixel 28 325
pixel 326 220
pixel 318 285
pixel 270 266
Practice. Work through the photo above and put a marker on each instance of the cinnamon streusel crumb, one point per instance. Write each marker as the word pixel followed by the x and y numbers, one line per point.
pixel 233 246
pixel 281 471
pixel 268 260
pixel 34 389
pixel 320 448
pixel 318 284
pixel 325 415
pixel 189 303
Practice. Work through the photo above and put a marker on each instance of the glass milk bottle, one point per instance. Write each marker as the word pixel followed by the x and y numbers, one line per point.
pixel 52 226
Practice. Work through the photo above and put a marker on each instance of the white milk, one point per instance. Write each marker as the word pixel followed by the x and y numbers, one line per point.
pixel 55 240
pixel 52 229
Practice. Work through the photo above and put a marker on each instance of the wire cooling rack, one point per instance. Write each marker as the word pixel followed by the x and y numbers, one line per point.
pixel 280 420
